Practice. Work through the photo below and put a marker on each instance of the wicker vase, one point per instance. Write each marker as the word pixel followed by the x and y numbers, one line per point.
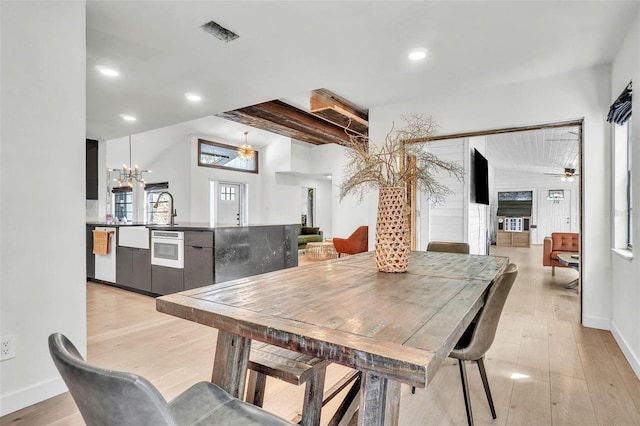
pixel 392 247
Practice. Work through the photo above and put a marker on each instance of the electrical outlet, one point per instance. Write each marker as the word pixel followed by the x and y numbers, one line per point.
pixel 7 347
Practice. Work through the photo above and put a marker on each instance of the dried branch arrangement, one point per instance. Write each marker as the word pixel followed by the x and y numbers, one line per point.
pixel 379 166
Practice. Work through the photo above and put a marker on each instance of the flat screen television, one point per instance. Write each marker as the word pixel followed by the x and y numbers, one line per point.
pixel 479 178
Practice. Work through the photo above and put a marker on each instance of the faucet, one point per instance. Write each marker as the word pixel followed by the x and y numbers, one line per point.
pixel 172 212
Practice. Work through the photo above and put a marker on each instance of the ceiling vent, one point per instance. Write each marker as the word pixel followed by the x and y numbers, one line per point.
pixel 219 31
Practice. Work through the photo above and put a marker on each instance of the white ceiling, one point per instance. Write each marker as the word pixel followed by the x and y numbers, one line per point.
pixel 356 49
pixel 547 151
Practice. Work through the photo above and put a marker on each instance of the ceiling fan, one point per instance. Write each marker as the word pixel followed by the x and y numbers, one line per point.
pixel 568 175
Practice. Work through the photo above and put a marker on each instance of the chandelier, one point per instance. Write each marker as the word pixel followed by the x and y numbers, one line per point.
pixel 245 151
pixel 128 174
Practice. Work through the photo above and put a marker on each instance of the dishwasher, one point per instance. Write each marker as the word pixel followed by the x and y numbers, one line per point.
pixel 106 264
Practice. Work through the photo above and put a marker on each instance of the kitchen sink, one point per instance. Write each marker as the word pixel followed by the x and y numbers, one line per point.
pixel 133 236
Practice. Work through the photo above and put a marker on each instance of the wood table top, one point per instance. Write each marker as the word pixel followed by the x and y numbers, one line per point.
pixel 400 326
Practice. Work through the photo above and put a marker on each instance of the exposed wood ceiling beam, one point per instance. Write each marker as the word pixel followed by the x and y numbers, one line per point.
pixel 339 111
pixel 284 119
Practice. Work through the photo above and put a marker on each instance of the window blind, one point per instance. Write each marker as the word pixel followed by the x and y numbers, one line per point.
pixel 620 110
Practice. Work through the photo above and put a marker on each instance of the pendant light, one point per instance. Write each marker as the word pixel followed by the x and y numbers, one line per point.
pixel 245 151
pixel 128 174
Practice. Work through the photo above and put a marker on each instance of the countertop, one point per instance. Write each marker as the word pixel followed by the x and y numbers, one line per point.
pixel 185 226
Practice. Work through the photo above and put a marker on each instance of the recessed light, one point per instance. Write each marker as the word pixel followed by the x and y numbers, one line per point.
pixel 418 54
pixel 193 97
pixel 110 72
pixel 128 117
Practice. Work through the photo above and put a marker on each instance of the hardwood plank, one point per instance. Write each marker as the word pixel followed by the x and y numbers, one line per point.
pixel 570 401
pixel 563 352
pixel 586 335
pixel 611 400
pixel 530 403
pixel 533 358
pixel 631 381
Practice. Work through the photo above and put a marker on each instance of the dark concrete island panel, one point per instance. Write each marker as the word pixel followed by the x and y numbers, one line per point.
pixel 245 251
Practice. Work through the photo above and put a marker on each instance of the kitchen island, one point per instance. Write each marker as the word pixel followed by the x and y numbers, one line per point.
pixel 209 255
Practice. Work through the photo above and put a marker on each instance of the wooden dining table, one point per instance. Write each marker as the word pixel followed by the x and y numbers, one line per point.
pixel 393 327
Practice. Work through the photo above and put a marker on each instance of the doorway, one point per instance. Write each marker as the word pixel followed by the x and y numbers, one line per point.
pixel 308 213
pixel 228 203
pixel 555 215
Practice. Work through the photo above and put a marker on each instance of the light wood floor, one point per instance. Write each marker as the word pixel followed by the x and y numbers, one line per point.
pixel 572 375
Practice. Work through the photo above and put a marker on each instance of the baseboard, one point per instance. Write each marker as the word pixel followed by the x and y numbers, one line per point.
pixel 596 322
pixel 631 357
pixel 31 395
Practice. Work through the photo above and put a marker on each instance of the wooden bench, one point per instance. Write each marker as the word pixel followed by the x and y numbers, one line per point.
pixel 295 368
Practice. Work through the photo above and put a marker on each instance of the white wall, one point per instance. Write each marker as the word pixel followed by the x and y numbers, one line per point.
pixel 446 221
pixel 163 151
pixel 42 181
pixel 273 194
pixel 625 276
pixel 580 94
pixel 349 213
pixel 199 179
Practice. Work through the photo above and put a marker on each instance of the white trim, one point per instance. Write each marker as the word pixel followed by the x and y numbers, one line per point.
pixel 626 254
pixel 30 395
pixel 596 322
pixel 632 358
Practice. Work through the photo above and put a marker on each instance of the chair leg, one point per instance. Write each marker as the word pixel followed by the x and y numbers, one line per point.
pixel 553 271
pixel 465 391
pixel 485 382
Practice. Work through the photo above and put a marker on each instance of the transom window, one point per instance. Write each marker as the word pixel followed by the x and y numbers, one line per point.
pixel 221 156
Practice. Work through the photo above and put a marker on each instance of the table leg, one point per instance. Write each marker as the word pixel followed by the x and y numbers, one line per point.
pixel 230 363
pixel 572 284
pixel 379 401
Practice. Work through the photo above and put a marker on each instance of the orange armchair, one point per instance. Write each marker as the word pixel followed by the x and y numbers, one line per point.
pixel 559 242
pixel 357 242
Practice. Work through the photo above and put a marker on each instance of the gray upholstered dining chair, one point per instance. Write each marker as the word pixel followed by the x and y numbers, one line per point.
pixel 107 397
pixel 448 247
pixel 478 337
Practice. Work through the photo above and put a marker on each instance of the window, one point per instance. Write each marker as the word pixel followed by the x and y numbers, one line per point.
pixel 629 190
pixel 156 207
pixel 221 156
pixel 123 202
pixel 619 114
pixel 622 186
pixel 227 193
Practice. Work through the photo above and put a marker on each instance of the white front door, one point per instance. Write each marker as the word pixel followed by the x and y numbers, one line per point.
pixel 228 198
pixel 553 215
